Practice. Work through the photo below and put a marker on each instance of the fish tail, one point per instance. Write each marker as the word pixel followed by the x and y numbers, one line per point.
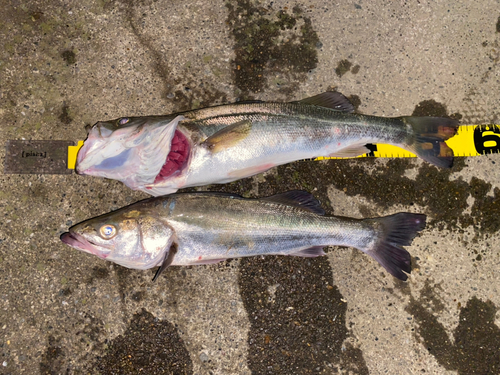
pixel 428 139
pixel 395 231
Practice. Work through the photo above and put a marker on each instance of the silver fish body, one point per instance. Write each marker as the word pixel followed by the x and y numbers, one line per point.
pixel 203 228
pixel 161 154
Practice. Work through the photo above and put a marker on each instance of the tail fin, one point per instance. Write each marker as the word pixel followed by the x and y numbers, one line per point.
pixel 396 231
pixel 429 134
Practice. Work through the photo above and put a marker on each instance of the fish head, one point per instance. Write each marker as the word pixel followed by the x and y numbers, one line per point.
pixel 129 237
pixel 133 150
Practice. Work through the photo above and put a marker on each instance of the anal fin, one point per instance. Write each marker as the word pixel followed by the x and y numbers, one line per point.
pixel 351 151
pixel 310 252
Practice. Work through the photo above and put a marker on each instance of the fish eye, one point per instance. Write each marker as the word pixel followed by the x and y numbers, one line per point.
pixel 108 231
pixel 123 121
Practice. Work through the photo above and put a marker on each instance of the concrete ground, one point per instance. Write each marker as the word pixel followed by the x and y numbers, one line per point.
pixel 66 64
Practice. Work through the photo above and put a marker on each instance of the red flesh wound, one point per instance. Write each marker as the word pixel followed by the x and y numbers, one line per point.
pixel 176 158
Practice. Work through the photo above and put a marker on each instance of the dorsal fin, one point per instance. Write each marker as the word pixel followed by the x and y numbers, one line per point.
pixel 298 198
pixel 330 99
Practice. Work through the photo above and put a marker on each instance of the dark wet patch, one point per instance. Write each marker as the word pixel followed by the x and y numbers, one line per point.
pixel 355 101
pixel 69 56
pixel 148 346
pixel 498 25
pixel 352 361
pixel 297 316
pixel 90 330
pixel 485 211
pixel 53 360
pixel 97 274
pixel 269 42
pixel 476 340
pixel 430 108
pixel 343 67
pixel 65 117
pixel 355 69
pixel 429 299
pixel 138 296
pixel 100 272
pixel 194 96
pixel 433 108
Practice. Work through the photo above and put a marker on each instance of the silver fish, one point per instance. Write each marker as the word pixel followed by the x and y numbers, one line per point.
pixel 161 154
pixel 203 228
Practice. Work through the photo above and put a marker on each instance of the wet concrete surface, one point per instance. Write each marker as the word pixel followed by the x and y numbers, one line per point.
pixel 64 65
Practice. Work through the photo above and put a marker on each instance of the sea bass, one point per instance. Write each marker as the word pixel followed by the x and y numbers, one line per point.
pixel 204 228
pixel 161 154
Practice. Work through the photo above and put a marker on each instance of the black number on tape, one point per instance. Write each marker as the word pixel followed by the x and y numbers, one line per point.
pixel 372 148
pixel 487 139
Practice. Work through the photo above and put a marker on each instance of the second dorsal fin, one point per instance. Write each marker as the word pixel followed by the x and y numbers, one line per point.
pixel 330 99
pixel 298 198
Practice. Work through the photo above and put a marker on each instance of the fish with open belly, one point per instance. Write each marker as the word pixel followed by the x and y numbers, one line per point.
pixel 161 154
pixel 203 228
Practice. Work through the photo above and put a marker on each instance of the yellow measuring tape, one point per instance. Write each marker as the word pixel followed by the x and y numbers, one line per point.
pixel 470 140
pixel 72 153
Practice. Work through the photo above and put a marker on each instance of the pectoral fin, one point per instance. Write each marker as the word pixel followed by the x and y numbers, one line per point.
pixel 169 258
pixel 229 136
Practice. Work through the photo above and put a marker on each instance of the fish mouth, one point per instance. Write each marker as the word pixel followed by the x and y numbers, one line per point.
pixel 177 158
pixel 82 153
pixel 80 243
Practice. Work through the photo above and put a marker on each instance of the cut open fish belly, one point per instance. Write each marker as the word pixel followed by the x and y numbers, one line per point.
pixel 161 154
pixel 176 159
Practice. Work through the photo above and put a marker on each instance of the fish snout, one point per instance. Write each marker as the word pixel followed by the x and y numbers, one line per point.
pixel 78 242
